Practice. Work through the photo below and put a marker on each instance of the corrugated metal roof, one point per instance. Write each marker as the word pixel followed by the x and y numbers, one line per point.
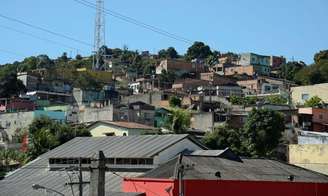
pixel 145 146
pixel 19 182
pixel 207 152
pixel 128 125
pixel 205 167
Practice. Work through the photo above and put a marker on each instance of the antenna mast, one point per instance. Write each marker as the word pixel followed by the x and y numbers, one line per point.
pixel 99 34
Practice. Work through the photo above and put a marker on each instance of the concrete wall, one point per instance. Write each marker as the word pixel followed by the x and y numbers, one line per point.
pixel 202 121
pixel 248 70
pixel 170 187
pixel 18 120
pixel 87 114
pixel 302 139
pixel 320 90
pixel 310 156
pixel 153 98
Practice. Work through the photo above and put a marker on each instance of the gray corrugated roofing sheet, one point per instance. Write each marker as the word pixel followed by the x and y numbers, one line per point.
pixel 207 152
pixel 19 182
pixel 204 167
pixel 145 146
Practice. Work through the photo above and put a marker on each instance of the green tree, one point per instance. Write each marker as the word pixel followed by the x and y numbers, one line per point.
pixel 262 132
pixel 178 121
pixel 198 50
pixel 11 156
pixel 276 99
pixel 245 101
pixel 288 70
pixel 46 134
pixel 162 54
pixel 78 57
pixel 175 101
pixel 10 85
pixel 224 137
pixel 44 61
pixel 315 73
pixel 322 55
pixel 314 101
pixel 167 78
pixel 172 53
pixel 211 60
pixel 236 100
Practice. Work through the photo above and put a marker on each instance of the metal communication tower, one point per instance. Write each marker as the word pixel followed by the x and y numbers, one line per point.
pixel 99 33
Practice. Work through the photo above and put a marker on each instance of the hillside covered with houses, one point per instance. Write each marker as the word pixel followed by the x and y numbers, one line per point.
pixel 244 110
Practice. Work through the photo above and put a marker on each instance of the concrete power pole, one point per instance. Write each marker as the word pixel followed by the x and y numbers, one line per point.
pixel 99 33
pixel 97 175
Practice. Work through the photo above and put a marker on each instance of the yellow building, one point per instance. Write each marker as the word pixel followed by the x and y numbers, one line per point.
pixel 119 128
pixel 310 156
pixel 302 93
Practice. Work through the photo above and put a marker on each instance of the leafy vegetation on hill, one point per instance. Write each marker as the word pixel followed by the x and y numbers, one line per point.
pixel 259 137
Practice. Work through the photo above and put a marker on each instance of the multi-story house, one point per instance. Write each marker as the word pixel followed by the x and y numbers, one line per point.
pixel 138 112
pixel 277 61
pixel 264 84
pixel 253 59
pixel 179 67
pixel 313 119
pixel 302 93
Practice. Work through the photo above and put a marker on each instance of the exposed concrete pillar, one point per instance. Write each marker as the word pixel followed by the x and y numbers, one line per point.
pixel 97 175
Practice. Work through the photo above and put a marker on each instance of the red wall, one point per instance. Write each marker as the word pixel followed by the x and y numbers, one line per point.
pixel 226 188
pixel 152 187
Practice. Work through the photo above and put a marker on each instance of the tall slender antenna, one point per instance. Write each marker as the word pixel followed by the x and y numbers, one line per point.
pixel 99 33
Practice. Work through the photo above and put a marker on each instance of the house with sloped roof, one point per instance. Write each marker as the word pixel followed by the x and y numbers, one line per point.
pixel 207 172
pixel 128 156
pixel 120 128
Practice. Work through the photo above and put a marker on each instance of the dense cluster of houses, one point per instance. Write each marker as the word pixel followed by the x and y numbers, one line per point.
pixel 145 162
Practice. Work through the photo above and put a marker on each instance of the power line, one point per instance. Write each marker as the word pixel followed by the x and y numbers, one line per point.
pixel 137 22
pixel 37 37
pixel 45 30
pixel 11 53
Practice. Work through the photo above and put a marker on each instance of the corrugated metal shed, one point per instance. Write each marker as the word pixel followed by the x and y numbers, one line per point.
pixel 19 182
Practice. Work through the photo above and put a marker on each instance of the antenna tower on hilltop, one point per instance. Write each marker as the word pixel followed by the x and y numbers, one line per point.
pixel 99 34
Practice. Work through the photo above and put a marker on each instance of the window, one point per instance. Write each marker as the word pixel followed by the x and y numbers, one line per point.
pixel 149 161
pixel 110 161
pixel 119 161
pixel 110 134
pixel 320 116
pixel 305 96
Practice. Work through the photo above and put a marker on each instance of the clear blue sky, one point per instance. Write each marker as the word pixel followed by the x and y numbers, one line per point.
pixel 292 28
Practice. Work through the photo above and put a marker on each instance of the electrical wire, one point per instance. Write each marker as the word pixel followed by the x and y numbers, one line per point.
pixel 11 53
pixel 45 30
pixel 37 37
pixel 136 22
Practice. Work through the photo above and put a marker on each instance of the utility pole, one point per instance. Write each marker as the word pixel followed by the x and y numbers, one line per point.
pixel 180 176
pixel 80 178
pixel 80 182
pixel 99 37
pixel 97 175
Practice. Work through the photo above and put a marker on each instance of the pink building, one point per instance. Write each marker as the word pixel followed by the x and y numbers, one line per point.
pixel 16 104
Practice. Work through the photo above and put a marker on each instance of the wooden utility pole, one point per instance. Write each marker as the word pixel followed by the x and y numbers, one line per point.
pixel 80 178
pixel 97 175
